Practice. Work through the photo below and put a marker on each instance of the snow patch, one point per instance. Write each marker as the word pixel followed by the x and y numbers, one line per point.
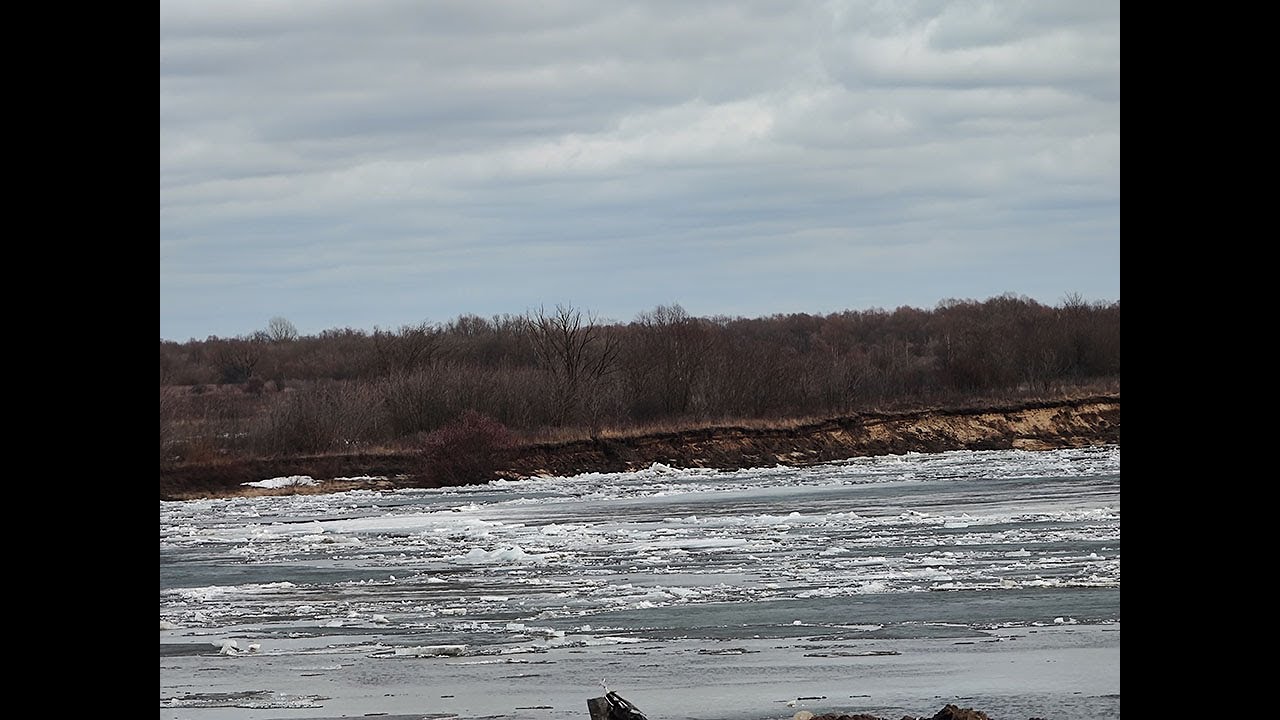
pixel 281 482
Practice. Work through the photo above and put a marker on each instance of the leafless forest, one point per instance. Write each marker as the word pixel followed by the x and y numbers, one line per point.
pixel 562 372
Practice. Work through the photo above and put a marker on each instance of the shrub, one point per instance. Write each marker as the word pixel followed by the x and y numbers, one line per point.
pixel 467 450
pixel 319 418
pixel 413 402
pixel 167 420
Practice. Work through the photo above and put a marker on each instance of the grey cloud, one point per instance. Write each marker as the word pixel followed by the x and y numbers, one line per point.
pixel 502 152
pixel 977 44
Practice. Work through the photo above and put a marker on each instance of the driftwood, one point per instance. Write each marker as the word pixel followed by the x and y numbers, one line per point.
pixel 613 707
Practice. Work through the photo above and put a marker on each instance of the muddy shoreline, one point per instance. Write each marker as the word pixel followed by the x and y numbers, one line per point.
pixel 1040 425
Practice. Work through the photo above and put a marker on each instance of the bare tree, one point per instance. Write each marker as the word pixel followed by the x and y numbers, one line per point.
pixel 576 352
pixel 673 349
pixel 402 352
pixel 236 358
pixel 281 330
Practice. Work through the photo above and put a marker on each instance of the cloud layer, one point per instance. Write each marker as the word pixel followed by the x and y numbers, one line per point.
pixel 380 163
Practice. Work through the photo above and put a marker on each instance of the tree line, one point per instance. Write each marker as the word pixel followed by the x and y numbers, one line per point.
pixel 276 391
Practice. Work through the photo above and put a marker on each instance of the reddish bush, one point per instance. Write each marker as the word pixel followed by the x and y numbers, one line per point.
pixel 466 450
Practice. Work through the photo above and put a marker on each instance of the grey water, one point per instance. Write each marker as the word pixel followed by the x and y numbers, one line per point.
pixel 890 585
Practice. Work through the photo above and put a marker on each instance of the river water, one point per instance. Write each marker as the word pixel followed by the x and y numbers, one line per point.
pixel 890 585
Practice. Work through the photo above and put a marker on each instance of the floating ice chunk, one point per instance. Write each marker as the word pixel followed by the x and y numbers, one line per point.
pixel 228 647
pixel 613 640
pixel 166 625
pixel 380 619
pixel 506 554
pixel 325 539
pixel 255 647
pixel 431 650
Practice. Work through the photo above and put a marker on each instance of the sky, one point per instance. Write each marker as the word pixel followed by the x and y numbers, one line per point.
pixel 386 162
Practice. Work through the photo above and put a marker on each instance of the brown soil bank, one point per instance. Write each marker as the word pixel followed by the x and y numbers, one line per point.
pixel 1031 426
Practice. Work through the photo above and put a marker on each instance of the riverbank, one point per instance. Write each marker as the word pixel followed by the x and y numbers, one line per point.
pixel 1039 425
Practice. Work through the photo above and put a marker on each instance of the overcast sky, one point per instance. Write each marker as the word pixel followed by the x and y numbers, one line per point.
pixel 379 163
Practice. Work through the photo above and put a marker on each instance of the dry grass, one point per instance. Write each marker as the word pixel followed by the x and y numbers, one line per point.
pixel 197 420
pixel 572 434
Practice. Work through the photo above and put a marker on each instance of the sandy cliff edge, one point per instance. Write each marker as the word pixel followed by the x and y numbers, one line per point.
pixel 1040 425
